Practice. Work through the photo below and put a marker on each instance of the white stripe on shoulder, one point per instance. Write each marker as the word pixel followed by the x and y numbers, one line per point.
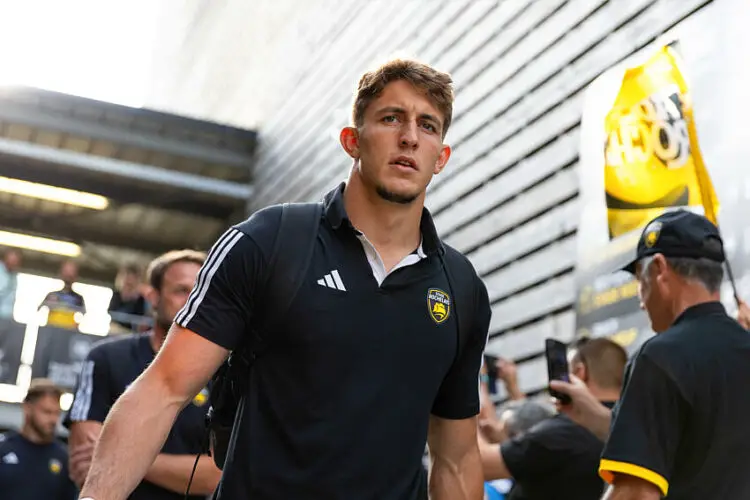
pixel 82 403
pixel 200 279
pixel 215 258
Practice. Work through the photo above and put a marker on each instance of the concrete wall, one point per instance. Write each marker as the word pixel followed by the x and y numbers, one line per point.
pixel 508 198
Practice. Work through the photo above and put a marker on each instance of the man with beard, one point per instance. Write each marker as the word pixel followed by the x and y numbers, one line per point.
pixel 33 464
pixel 367 364
pixel 114 364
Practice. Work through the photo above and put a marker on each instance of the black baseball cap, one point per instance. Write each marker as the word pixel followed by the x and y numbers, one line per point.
pixel 679 233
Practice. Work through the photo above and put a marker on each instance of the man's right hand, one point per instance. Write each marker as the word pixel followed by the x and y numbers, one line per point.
pixel 584 409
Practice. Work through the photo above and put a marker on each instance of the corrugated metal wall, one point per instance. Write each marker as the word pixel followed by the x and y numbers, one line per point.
pixel 508 196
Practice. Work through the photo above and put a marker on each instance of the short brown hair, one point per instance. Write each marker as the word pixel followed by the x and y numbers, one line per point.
pixel 158 267
pixel 40 387
pixel 438 87
pixel 604 360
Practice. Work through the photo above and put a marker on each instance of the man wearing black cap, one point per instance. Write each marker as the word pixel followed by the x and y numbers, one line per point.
pixel 680 427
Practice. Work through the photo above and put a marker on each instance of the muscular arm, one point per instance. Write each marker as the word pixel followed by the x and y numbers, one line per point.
pixel 173 472
pixel 631 488
pixel 168 471
pixel 456 466
pixel 140 420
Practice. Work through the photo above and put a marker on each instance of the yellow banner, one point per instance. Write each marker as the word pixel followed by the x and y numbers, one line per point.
pixel 652 157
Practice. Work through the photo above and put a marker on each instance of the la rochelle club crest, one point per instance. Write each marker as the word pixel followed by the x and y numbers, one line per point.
pixel 438 305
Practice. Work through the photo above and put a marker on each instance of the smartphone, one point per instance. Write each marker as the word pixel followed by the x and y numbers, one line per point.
pixel 557 366
pixel 490 362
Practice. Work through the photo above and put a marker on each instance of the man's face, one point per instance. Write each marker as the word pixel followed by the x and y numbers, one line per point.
pixel 177 284
pixel 42 415
pixel 12 261
pixel 654 292
pixel 400 143
pixel 69 273
pixel 130 281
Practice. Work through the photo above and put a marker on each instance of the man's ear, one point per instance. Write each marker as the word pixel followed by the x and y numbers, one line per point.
pixel 151 295
pixel 580 371
pixel 445 155
pixel 349 138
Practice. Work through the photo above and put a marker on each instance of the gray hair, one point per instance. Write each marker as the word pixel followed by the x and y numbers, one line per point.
pixel 709 273
pixel 526 414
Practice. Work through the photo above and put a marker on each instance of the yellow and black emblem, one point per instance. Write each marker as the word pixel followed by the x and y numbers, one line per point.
pixel 438 304
pixel 201 398
pixel 652 234
pixel 55 466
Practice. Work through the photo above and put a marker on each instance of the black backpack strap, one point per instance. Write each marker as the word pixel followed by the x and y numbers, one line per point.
pixel 292 253
pixel 460 275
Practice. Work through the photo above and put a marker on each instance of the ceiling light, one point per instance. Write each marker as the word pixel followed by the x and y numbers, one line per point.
pixel 53 193
pixel 39 244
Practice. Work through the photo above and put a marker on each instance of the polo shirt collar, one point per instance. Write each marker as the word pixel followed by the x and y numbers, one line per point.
pixel 335 212
pixel 702 309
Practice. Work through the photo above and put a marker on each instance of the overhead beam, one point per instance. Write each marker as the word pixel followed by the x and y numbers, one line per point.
pixel 32 116
pixel 122 193
pixel 66 229
pixel 124 170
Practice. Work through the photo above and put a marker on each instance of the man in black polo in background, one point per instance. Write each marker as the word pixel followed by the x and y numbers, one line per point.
pixel 681 428
pixel 33 463
pixel 361 371
pixel 113 364
pixel 558 459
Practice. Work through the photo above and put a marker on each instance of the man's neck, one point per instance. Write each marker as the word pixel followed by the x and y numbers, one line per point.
pixel 30 435
pixel 604 395
pixel 389 226
pixel 690 296
pixel 156 337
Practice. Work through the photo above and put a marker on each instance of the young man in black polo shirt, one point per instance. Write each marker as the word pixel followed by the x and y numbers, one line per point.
pixel 366 364
pixel 113 364
pixel 558 458
pixel 680 429
pixel 33 464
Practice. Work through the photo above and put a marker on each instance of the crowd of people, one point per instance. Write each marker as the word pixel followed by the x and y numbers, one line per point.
pixel 334 376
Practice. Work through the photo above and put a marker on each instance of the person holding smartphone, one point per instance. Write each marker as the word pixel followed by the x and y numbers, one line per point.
pixel 558 458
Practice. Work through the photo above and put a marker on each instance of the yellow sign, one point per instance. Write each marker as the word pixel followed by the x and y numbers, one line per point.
pixel 438 304
pixel 652 158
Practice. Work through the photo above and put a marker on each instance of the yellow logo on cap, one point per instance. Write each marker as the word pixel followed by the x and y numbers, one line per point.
pixel 652 234
pixel 438 304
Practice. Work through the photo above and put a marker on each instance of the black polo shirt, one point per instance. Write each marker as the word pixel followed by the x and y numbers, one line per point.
pixel 340 402
pixel 556 459
pixel 32 471
pixel 682 420
pixel 111 366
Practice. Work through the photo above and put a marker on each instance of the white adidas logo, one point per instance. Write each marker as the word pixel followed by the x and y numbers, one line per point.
pixel 10 458
pixel 332 280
